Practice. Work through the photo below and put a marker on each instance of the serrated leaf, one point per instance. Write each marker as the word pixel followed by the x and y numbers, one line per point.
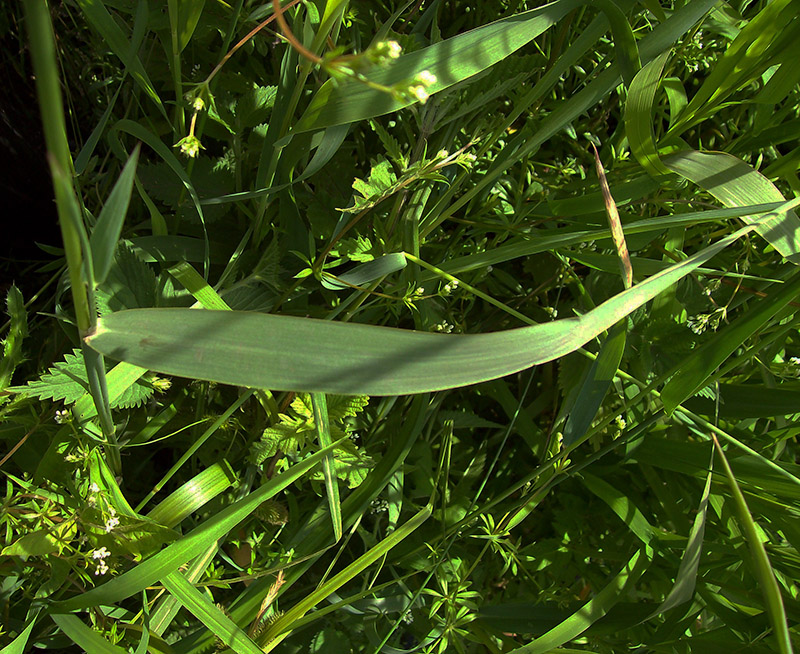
pixel 67 381
pixel 344 406
pixel 390 144
pixel 254 107
pixel 381 178
pixel 131 283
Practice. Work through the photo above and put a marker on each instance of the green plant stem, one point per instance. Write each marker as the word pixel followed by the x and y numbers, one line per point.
pixel 73 233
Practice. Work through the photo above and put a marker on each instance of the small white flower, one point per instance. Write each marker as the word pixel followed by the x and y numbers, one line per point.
pixel 102 553
pixel 94 488
pixel 418 91
pixel 420 291
pixel 62 416
pixel 111 523
pixel 102 568
pixel 426 78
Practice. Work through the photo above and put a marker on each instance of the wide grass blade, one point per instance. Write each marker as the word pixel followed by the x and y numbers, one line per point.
pixel 198 605
pixel 84 636
pixel 290 353
pixel 736 184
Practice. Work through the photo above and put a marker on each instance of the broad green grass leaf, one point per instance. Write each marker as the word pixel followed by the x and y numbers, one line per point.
pixel 106 232
pixel 451 61
pixel 290 353
pixel 686 578
pixel 766 575
pixel 84 636
pixel 322 422
pixel 693 373
pixel 595 386
pixel 593 610
pixel 191 545
pixel 187 499
pixel 639 116
pixel 736 184
pixel 199 605
pixel 99 18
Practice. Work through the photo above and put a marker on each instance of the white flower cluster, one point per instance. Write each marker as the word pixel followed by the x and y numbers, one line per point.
pixel 100 556
pixel 112 521
pixel 419 86
pixel 444 327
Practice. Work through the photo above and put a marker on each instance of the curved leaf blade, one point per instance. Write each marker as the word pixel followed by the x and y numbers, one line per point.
pixel 291 353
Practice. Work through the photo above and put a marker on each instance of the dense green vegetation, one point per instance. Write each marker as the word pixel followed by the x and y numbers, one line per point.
pixel 395 326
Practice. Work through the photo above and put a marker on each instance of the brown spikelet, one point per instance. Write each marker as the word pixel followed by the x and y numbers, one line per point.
pixel 273 512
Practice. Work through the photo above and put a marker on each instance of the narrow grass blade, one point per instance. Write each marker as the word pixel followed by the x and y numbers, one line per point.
pixel 198 287
pixel 19 644
pixel 593 610
pixel 84 636
pixel 109 224
pixel 595 386
pixel 764 572
pixel 283 625
pixel 320 407
pixel 290 353
pixel 187 499
pixel 99 18
pixel 143 134
pixel 621 504
pixel 198 605
pixel 191 545
pixel 693 373
pixel 365 273
pixel 735 183
pixel 451 61
pixel 686 578
pixel 118 380
pixel 625 50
